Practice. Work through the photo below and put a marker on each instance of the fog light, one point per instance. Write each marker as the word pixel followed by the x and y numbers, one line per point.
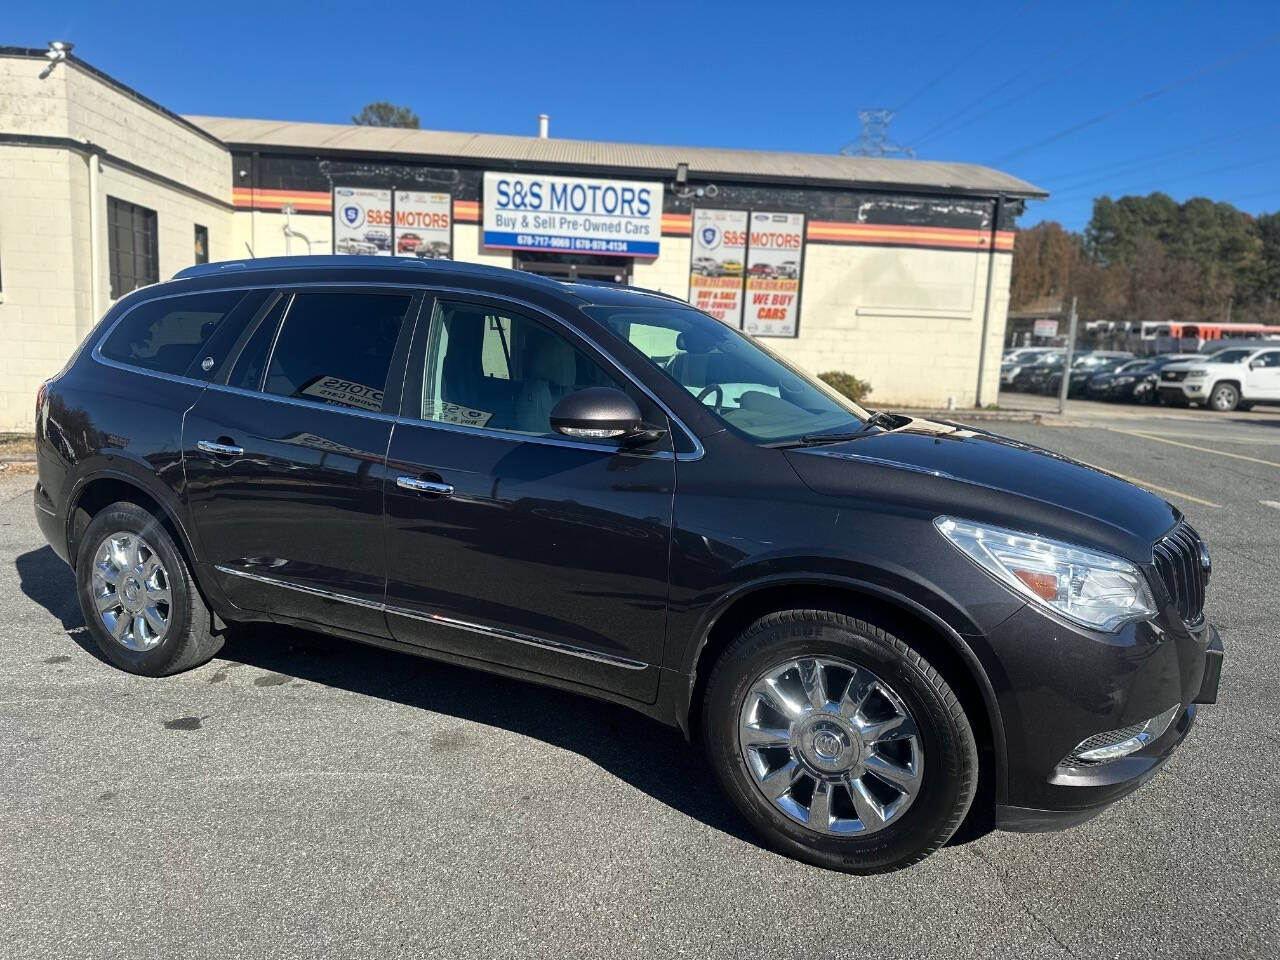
pixel 1115 744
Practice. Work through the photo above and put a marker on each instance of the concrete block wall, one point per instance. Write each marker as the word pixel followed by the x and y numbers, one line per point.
pixel 45 244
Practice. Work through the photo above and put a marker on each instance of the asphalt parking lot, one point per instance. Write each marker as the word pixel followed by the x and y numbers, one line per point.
pixel 301 796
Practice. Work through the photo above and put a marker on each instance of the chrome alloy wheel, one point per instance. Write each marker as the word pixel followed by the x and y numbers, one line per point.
pixel 831 745
pixel 131 591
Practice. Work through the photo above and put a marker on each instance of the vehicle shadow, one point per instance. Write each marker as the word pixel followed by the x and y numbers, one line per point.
pixel 653 758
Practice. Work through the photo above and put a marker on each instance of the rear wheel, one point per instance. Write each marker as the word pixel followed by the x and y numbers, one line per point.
pixel 139 600
pixel 1224 398
pixel 839 742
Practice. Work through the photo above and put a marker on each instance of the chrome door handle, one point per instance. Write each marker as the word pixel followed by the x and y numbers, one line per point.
pixel 221 449
pixel 424 486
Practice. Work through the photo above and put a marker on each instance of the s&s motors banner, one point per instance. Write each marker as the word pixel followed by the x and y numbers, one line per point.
pixel 719 253
pixel 361 221
pixel 424 225
pixel 775 248
pixel 620 218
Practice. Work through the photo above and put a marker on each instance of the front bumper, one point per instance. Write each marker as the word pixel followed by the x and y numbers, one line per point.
pixel 1064 685
pixel 1184 390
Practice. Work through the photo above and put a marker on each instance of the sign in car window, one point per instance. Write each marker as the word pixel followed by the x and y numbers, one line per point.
pixel 362 221
pixel 620 218
pixel 423 225
pixel 775 248
pixel 719 254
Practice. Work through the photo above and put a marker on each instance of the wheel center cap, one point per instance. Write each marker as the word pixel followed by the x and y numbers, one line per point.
pixel 827 745
pixel 132 590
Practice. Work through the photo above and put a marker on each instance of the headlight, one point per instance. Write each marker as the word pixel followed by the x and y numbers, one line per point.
pixel 1093 589
pixel 1123 380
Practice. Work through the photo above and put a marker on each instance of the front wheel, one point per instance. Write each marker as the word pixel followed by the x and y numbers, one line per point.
pixel 1224 398
pixel 139 600
pixel 839 742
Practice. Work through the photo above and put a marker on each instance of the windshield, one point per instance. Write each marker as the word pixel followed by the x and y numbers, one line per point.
pixel 1229 356
pixel 742 383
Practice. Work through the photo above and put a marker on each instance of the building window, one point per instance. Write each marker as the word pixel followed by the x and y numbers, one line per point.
pixel 131 246
pixel 202 244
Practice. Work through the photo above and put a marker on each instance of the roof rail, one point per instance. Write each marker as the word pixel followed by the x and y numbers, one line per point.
pixel 592 282
pixel 331 261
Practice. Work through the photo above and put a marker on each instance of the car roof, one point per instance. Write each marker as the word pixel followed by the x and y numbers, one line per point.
pixel 349 268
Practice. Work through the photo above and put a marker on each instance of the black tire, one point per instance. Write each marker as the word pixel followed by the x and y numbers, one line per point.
pixel 189 640
pixel 1224 397
pixel 950 768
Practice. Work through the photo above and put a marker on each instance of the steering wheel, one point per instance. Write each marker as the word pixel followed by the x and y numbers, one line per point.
pixel 718 391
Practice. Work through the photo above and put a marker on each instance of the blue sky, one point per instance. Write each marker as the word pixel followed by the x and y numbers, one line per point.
pixel 1080 97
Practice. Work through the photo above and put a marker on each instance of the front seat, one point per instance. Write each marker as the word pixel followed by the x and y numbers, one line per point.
pixel 551 375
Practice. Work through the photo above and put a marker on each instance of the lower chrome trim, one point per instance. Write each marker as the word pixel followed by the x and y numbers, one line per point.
pixel 299 587
pixel 554 646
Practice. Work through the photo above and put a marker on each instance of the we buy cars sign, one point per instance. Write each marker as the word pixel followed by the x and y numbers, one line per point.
pixel 423 225
pixel 719 253
pixel 775 253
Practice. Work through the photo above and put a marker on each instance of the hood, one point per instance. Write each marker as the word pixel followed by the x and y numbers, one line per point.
pixel 945 468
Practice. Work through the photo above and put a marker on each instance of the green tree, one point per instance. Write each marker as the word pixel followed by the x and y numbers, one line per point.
pixel 385 114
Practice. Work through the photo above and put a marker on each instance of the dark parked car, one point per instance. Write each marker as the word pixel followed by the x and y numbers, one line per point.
pixel 1135 381
pixel 875 626
pixel 1082 371
pixel 1035 377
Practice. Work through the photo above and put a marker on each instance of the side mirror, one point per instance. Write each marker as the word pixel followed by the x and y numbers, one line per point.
pixel 600 413
pixel 1256 365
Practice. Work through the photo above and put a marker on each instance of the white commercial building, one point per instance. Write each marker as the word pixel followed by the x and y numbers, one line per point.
pixel 896 271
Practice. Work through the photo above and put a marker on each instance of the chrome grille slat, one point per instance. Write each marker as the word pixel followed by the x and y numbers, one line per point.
pixel 1177 561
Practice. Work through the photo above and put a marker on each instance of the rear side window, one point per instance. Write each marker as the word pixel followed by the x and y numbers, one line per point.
pixel 167 335
pixel 336 348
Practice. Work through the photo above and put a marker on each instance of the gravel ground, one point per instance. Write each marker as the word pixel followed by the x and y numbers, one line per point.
pixel 300 796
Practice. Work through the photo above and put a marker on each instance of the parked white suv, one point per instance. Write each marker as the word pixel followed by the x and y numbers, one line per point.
pixel 1231 378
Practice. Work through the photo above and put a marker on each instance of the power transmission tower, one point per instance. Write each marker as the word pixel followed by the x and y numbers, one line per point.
pixel 874 141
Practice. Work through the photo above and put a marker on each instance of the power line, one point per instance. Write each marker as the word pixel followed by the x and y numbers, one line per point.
pixel 1086 188
pixel 1086 175
pixel 1144 98
pixel 937 128
pixel 964 58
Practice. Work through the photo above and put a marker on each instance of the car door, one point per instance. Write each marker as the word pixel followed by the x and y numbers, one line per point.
pixel 284 456
pixel 1264 377
pixel 507 542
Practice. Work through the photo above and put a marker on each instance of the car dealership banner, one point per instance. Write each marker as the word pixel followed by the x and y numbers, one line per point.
pixel 775 245
pixel 361 221
pixel 423 225
pixel 718 258
pixel 572 214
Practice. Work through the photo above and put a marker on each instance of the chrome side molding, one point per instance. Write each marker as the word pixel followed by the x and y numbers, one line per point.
pixel 555 646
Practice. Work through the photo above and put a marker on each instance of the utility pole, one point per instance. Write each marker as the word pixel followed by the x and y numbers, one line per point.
pixel 1066 361
pixel 874 141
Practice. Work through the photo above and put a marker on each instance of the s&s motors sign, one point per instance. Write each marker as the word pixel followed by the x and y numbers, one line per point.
pixel 620 218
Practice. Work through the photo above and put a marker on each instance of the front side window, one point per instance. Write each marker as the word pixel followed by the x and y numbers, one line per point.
pixel 1229 356
pixel 1270 359
pixel 487 367
pixel 335 348
pixel 166 335
pixel 746 386
pixel 132 249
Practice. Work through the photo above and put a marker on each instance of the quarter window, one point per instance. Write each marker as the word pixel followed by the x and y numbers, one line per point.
pixel 131 246
pixel 335 348
pixel 501 371
pixel 166 335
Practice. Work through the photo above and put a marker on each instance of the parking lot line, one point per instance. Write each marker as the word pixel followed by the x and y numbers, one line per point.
pixel 1152 486
pixel 1192 446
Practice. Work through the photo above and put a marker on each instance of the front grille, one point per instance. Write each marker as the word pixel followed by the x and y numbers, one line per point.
pixel 1177 559
pixel 1173 376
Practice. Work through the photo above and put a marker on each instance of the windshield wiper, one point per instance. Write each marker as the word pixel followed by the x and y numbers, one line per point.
pixel 886 421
